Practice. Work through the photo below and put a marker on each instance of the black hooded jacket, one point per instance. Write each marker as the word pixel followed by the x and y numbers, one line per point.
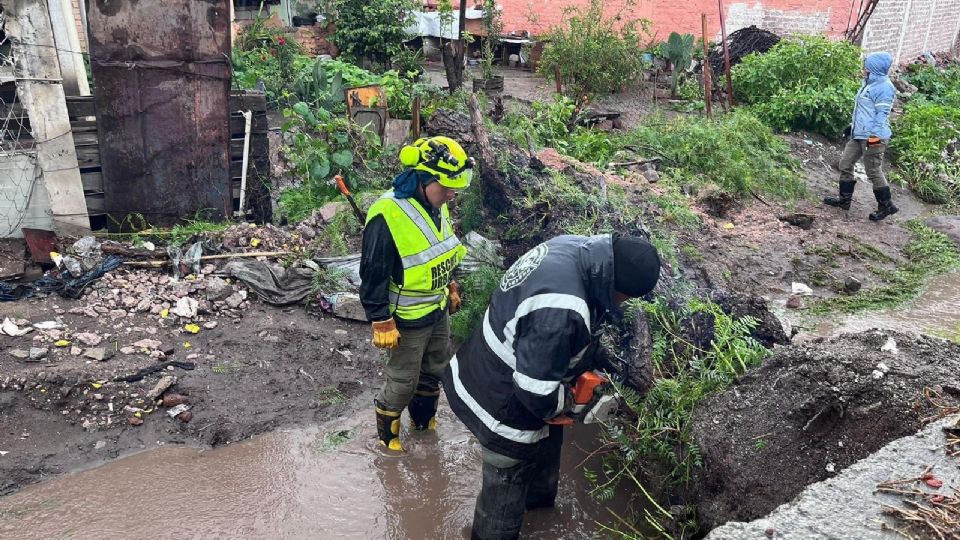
pixel 536 336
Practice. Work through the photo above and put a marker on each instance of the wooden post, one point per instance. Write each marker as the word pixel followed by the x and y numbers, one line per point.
pixel 707 86
pixel 556 77
pixel 726 57
pixel 415 123
pixel 41 92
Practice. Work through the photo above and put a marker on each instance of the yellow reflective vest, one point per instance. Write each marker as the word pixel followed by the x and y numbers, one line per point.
pixel 428 255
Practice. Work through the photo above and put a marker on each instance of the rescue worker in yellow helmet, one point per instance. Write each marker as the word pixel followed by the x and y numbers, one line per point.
pixel 409 254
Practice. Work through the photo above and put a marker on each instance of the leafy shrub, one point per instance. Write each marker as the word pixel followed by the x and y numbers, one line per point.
pixel 927 135
pixel 802 83
pixel 319 146
pixel 596 55
pixel 655 433
pixel 372 30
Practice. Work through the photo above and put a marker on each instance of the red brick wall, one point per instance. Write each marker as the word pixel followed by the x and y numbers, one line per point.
pixel 782 16
pixel 925 25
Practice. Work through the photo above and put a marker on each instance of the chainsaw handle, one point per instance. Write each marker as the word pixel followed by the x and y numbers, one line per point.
pixel 341 185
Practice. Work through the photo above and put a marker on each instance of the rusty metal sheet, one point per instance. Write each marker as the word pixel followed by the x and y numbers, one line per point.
pixel 161 71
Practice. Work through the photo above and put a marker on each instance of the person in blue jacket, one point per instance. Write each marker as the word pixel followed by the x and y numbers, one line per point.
pixel 869 135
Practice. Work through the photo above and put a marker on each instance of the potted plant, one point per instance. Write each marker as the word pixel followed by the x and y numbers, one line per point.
pixel 493 25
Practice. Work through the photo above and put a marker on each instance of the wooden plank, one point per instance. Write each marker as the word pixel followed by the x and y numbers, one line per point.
pixel 258 124
pixel 92 181
pixel 248 101
pixel 88 156
pixel 85 138
pixel 78 108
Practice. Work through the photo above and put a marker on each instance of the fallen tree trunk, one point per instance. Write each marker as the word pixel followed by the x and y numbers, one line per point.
pixel 493 185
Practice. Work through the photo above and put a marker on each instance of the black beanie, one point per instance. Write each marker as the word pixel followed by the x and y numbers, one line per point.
pixel 636 266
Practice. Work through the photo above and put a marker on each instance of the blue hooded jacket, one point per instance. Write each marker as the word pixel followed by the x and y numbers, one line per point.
pixel 871 113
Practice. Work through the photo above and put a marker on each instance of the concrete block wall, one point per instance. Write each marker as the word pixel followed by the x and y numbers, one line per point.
pixel 908 28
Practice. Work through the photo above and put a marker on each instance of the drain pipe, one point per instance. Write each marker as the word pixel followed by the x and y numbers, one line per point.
pixel 248 118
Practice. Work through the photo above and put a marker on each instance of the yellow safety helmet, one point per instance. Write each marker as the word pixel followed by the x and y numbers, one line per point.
pixel 442 157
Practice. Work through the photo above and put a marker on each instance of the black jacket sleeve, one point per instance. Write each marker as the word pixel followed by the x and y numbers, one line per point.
pixel 546 340
pixel 378 262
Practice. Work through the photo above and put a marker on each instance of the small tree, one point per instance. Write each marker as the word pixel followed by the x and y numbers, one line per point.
pixel 372 32
pixel 493 24
pixel 594 54
pixel 450 50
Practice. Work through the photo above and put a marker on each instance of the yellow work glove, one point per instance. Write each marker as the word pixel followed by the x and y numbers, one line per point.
pixel 454 298
pixel 385 334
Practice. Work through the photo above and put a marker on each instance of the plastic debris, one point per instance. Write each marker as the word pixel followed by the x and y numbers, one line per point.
pixel 12 330
pixel 48 325
pixel 62 342
pixel 175 411
pixel 192 328
pixel 801 289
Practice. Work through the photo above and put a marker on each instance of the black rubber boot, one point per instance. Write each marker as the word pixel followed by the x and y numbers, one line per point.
pixel 845 198
pixel 423 411
pixel 885 206
pixel 388 427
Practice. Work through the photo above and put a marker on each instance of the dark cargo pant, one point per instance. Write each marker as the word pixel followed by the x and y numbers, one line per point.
pixel 513 486
pixel 416 365
pixel 872 162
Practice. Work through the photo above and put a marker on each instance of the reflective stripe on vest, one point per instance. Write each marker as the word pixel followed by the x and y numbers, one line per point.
pixel 428 255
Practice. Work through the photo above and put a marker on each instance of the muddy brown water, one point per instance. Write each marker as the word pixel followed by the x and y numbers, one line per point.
pixel 298 484
pixel 936 311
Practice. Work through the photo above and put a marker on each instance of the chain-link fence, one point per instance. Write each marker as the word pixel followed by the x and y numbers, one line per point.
pixel 23 197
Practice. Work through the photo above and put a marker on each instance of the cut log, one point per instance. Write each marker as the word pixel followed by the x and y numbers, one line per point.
pixel 492 184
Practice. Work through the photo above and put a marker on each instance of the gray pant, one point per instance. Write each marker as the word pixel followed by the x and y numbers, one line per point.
pixel 872 162
pixel 513 486
pixel 416 365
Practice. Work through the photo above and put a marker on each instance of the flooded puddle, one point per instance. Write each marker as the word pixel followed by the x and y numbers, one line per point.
pixel 317 483
pixel 935 312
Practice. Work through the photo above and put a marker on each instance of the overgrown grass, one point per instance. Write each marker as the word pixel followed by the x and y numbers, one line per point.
pixel 928 254
pixel 736 151
pixel 475 291
pixel 192 227
pixel 329 281
pixel 657 429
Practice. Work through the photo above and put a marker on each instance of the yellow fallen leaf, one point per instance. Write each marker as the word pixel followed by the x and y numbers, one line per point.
pixel 187 345
pixel 255 242
pixel 147 411
pixel 165 313
pixel 62 343
pixel 192 328
pixel 96 385
pixel 137 414
pixel 728 226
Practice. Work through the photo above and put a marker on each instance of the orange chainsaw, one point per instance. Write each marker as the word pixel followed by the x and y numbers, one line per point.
pixel 594 400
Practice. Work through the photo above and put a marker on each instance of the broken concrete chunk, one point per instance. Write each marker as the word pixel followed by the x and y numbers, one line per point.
pixel 89 339
pixel 236 299
pixel 149 344
pixel 100 354
pixel 218 289
pixel 128 350
pixel 347 306
pixel 20 353
pixel 210 325
pixel 186 308
pixel 38 353
pixel 801 289
pixel 162 386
